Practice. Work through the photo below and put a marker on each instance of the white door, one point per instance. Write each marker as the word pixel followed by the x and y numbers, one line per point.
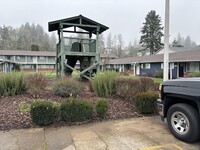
pixel 138 69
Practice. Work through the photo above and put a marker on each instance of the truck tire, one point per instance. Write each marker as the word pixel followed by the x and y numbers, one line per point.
pixel 184 122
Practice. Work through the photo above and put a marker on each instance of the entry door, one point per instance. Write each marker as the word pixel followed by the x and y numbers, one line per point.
pixel 138 69
pixel 181 69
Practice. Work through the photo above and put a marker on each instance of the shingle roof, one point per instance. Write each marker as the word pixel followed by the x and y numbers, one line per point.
pixel 41 53
pixel 179 49
pixel 6 60
pixel 55 25
pixel 27 53
pixel 173 57
pixel 108 56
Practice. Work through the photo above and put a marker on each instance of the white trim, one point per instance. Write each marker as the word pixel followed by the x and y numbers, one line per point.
pixel 177 70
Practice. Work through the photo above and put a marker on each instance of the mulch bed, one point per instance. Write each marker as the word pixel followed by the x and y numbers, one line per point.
pixel 12 118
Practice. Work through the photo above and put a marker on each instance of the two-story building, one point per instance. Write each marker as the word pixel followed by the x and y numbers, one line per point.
pixel 36 60
pixel 29 60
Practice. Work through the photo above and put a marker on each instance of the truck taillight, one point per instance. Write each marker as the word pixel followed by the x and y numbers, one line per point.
pixel 160 89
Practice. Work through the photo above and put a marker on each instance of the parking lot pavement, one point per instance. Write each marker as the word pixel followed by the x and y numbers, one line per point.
pixel 147 133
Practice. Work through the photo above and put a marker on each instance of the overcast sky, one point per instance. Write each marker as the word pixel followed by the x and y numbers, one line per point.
pixel 121 16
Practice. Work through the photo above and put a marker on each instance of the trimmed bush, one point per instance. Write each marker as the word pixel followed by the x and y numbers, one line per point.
pixel 145 102
pixel 12 84
pixel 103 84
pixel 159 73
pixel 44 112
pixel 36 83
pixel 127 88
pixel 76 110
pixel 67 87
pixel 193 74
pixel 101 108
pixel 146 84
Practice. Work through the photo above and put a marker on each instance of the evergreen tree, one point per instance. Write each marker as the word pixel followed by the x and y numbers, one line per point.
pixel 152 33
pixel 26 38
pixel 175 43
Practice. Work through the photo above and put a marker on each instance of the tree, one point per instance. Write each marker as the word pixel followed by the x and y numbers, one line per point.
pixel 183 42
pixel 7 37
pixel 109 43
pixel 134 48
pixel 152 33
pixel 175 43
pixel 120 45
pixel 101 44
pixel 26 37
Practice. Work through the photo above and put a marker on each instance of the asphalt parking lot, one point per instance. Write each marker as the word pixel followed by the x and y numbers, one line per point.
pixel 148 133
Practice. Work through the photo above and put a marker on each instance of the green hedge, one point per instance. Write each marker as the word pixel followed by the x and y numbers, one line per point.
pixel 44 112
pixel 101 108
pixel 76 110
pixel 145 102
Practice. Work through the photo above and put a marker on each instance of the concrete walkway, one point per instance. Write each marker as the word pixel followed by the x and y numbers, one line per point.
pixel 147 133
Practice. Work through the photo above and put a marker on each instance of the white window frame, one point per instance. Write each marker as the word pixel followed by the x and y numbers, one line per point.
pixel 189 69
pixel 146 66
pixel 161 66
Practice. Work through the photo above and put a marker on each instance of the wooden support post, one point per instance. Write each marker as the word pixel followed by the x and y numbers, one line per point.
pixel 62 61
pixel 97 58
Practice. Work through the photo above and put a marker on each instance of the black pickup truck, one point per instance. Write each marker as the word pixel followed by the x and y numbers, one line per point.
pixel 179 102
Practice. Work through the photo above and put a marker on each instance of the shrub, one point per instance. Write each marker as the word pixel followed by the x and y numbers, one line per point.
pixel 24 107
pixel 103 84
pixel 156 86
pixel 146 84
pixel 66 87
pixel 36 83
pixel 124 74
pixel 193 74
pixel 76 110
pixel 44 112
pixel 159 73
pixel 16 67
pixel 101 108
pixel 50 75
pixel 12 84
pixel 145 102
pixel 127 88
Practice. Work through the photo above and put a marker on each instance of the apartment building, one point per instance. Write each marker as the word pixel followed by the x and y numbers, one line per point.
pixel 28 60
pixel 36 60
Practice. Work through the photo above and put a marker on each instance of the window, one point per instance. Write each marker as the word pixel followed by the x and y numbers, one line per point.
pixel 51 59
pixel 171 66
pixel 145 66
pixel 29 59
pixel 162 66
pixel 42 59
pixel 192 66
pixel 20 58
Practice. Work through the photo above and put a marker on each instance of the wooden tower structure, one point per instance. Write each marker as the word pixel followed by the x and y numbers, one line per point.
pixel 80 48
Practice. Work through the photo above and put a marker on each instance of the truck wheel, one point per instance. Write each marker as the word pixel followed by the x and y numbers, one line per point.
pixel 184 123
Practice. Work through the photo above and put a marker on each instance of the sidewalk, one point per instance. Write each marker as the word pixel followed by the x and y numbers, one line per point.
pixel 142 133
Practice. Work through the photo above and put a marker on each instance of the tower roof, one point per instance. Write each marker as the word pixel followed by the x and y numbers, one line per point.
pixel 79 21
